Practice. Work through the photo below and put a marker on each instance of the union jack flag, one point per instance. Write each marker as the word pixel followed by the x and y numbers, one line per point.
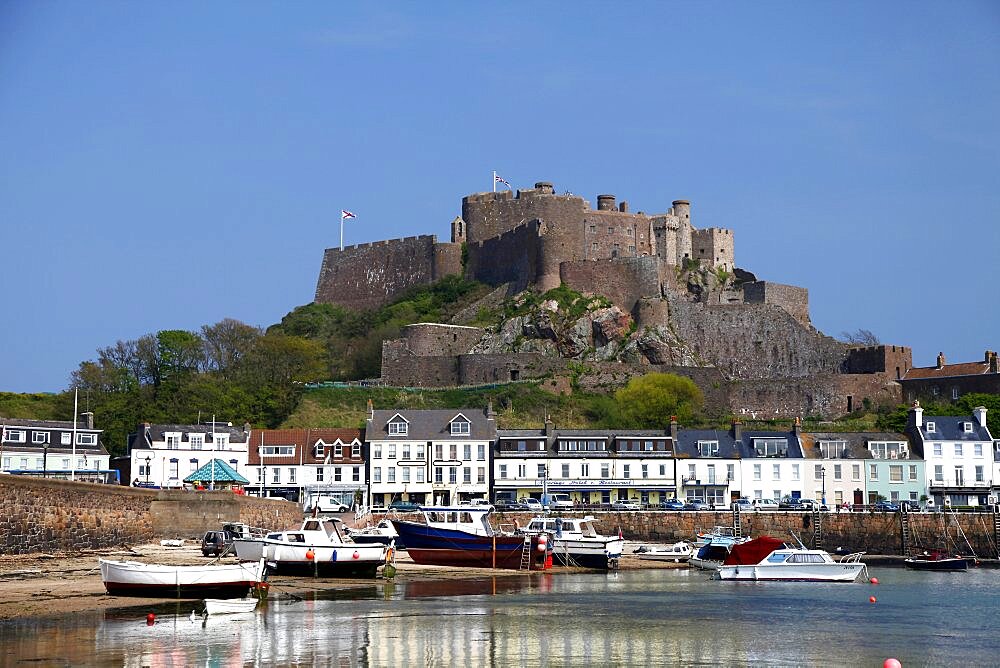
pixel 344 213
pixel 499 179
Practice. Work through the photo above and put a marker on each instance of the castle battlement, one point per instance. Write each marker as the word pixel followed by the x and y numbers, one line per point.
pixel 384 242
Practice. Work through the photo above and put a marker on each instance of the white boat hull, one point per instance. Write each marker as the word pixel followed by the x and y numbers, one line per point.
pixel 131 578
pixel 587 552
pixel 831 572
pixel 676 554
pixel 229 606
pixel 344 560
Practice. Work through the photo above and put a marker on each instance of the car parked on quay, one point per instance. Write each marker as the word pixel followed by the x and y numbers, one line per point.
pixel 626 504
pixel 672 504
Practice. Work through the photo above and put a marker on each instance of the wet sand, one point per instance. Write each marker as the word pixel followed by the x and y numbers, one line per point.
pixel 45 584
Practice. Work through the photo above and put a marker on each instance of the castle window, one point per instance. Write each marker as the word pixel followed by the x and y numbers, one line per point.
pixel 611 230
pixel 954 393
pixel 630 232
pixel 631 249
pixel 593 246
pixel 593 229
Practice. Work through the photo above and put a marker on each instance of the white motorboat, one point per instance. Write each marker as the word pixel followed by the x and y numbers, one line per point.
pixel 575 542
pixel 383 533
pixel 131 578
pixel 677 553
pixel 321 548
pixel 768 558
pixel 230 606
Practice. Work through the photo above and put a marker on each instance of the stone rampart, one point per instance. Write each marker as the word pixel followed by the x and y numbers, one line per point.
pixel 825 394
pixel 489 215
pixel 793 299
pixel 434 339
pixel 512 257
pixel 894 360
pixel 754 340
pixel 624 281
pixel 368 275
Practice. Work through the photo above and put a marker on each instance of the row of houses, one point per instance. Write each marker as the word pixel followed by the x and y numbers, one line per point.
pixel 450 456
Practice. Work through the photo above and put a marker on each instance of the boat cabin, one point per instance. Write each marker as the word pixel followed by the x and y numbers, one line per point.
pixel 471 519
pixel 328 529
pixel 561 525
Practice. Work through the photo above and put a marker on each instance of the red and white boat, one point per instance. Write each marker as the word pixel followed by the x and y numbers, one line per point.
pixel 768 558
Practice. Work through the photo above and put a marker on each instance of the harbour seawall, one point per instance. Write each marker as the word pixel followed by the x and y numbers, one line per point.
pixel 38 515
pixel 872 532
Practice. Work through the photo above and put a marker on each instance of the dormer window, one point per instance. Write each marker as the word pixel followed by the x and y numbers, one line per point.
pixel 930 428
pixel 708 448
pixel 398 428
pixel 173 440
pixel 221 441
pixel 833 449
pixel 460 428
pixel 770 447
pixel 319 449
pixel 967 426
pixel 197 441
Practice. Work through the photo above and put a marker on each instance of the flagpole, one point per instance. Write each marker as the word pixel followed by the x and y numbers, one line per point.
pixel 214 450
pixel 341 230
pixel 494 180
pixel 72 468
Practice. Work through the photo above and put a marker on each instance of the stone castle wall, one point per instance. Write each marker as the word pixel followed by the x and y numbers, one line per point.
pixel 754 340
pixel 436 339
pixel 716 247
pixel 48 515
pixel 823 394
pixel 893 360
pixel 794 300
pixel 368 275
pixel 624 281
pixel 512 257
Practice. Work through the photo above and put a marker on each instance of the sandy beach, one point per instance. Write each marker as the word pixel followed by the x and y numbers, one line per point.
pixel 51 584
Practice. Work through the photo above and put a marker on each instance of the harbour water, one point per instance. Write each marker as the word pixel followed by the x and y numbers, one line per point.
pixel 643 617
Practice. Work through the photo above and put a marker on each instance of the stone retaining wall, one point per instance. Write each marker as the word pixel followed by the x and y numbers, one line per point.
pixel 875 533
pixel 38 515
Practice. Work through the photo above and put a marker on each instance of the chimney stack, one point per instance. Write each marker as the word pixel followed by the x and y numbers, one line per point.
pixel 980 413
pixel 673 429
pixel 489 409
pixel 797 427
pixel 623 207
pixel 737 430
pixel 916 416
pixel 991 359
pixel 371 410
pixel 88 418
pixel 940 360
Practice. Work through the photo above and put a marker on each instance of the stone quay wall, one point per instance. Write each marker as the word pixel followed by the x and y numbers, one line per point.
pixel 874 533
pixel 39 515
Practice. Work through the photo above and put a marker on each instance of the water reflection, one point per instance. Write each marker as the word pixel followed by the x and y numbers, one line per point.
pixel 642 617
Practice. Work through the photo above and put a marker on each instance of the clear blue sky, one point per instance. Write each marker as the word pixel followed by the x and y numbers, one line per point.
pixel 166 165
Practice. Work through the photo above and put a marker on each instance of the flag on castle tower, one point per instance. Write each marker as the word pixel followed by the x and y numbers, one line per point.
pixel 344 213
pixel 499 179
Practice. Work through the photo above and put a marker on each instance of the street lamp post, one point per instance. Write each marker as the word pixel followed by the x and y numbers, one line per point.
pixel 823 476
pixel 149 463
pixel 45 460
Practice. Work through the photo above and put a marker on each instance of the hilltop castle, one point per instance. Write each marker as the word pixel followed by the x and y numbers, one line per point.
pixel 689 309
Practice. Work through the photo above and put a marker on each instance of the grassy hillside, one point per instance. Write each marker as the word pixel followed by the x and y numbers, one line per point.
pixel 518 405
pixel 36 406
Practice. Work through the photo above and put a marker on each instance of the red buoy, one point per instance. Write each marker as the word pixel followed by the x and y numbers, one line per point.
pixel 872 599
pixel 356 555
pixel 874 581
pixel 150 619
pixel 892 663
pixel 310 555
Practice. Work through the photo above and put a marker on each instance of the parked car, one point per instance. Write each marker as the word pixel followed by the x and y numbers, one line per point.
pixel 886 507
pixel 764 504
pixel 558 501
pixel 791 503
pixel 742 504
pixel 672 504
pixel 214 543
pixel 626 504
pixel 533 505
pixel 404 506
pixel 696 504
pixel 506 505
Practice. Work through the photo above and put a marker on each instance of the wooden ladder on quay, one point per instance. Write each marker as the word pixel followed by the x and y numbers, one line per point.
pixel 996 529
pixel 904 527
pixel 817 529
pixel 526 555
pixel 737 522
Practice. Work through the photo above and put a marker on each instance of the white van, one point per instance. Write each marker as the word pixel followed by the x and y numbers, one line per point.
pixel 559 501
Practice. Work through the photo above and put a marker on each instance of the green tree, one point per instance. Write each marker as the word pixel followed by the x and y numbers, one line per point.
pixel 178 352
pixel 649 401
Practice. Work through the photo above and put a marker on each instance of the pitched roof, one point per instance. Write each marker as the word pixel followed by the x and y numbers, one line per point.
pixel 431 424
pixel 223 472
pixel 45 424
pixel 947 370
pixel 687 442
pixel 949 428
pixel 305 441
pixel 857 442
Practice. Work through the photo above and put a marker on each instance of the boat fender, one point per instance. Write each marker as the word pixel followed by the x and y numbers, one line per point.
pixel 356 555
pixel 310 555
pixel 388 555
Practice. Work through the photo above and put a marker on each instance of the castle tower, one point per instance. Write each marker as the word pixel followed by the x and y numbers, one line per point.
pixel 682 210
pixel 458 231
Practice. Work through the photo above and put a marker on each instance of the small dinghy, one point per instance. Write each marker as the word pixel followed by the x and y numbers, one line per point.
pixel 229 606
